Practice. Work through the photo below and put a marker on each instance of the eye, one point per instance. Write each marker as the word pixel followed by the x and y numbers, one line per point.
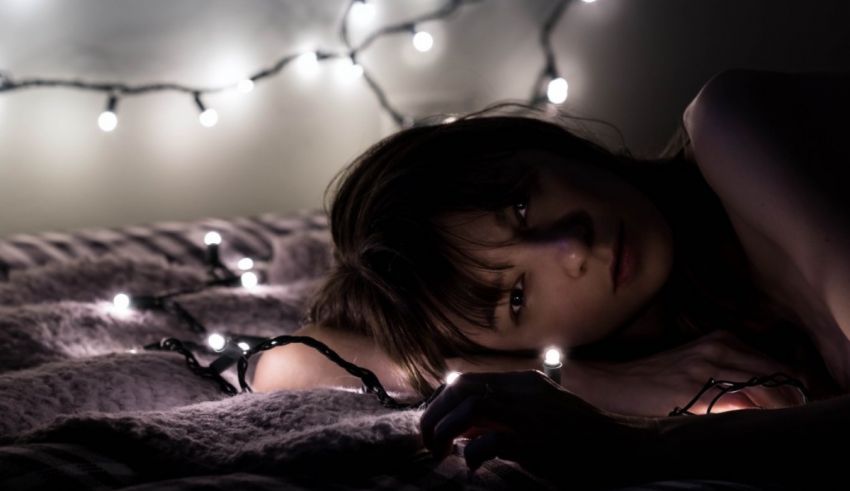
pixel 517 299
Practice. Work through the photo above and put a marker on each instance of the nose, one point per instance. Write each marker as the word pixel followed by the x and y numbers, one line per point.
pixel 573 252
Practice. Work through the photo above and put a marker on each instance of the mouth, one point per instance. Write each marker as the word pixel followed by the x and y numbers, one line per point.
pixel 617 259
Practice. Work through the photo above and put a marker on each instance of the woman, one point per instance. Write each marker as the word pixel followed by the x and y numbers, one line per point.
pixel 477 244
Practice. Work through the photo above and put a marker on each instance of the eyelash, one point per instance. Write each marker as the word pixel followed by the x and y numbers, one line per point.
pixel 523 223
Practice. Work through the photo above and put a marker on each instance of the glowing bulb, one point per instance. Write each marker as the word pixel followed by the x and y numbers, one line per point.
pixel 308 63
pixel 212 238
pixel 132 350
pixel 245 86
pixel 249 279
pixel 588 1
pixel 245 263
pixel 107 121
pixel 362 11
pixel 243 345
pixel 121 301
pixel 216 341
pixel 450 119
pixel 552 357
pixel 349 70
pixel 451 377
pixel 423 41
pixel 208 118
pixel 557 91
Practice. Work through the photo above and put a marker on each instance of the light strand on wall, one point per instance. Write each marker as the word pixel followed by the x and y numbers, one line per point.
pixel 357 10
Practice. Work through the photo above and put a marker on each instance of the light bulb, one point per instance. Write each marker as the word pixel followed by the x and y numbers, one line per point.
pixel 362 12
pixel 349 70
pixel 243 345
pixel 121 301
pixel 423 41
pixel 208 118
pixel 216 341
pixel 552 357
pixel 212 238
pixel 308 63
pixel 249 279
pixel 245 263
pixel 557 90
pixel 107 121
pixel 245 85
pixel 451 377
pixel 450 119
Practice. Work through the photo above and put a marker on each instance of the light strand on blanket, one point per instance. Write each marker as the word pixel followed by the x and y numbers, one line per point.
pixel 728 387
pixel 223 276
pixel 554 93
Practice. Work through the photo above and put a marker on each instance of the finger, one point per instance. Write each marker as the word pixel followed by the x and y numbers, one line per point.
pixel 444 403
pixel 465 385
pixel 470 418
pixel 491 445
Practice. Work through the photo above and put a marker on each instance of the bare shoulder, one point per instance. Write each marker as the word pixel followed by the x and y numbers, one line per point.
pixel 298 366
pixel 771 146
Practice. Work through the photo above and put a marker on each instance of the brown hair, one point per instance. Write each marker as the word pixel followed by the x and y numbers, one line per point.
pixel 396 270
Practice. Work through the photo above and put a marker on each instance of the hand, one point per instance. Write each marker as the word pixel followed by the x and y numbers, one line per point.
pixel 525 417
pixel 655 385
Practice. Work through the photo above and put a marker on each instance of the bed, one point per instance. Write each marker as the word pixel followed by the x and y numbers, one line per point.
pixel 85 406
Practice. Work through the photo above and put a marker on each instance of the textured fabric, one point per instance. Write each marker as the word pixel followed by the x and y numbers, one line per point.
pixel 177 242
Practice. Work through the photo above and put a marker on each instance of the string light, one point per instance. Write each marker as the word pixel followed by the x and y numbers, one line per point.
pixel 552 364
pixel 557 90
pixel 243 345
pixel 216 341
pixel 208 117
pixel 121 301
pixel 108 120
pixel 308 63
pixel 212 238
pixel 423 41
pixel 245 85
pixel 451 377
pixel 350 70
pixel 245 263
pixel 250 279
pixel 362 11
pixel 358 10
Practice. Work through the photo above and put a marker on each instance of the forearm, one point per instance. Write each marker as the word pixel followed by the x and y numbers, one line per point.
pixel 796 446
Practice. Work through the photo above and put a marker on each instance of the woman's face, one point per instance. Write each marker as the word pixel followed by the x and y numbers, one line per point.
pixel 562 290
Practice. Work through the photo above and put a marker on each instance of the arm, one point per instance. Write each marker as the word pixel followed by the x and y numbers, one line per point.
pixel 523 417
pixel 298 366
pixel 772 145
